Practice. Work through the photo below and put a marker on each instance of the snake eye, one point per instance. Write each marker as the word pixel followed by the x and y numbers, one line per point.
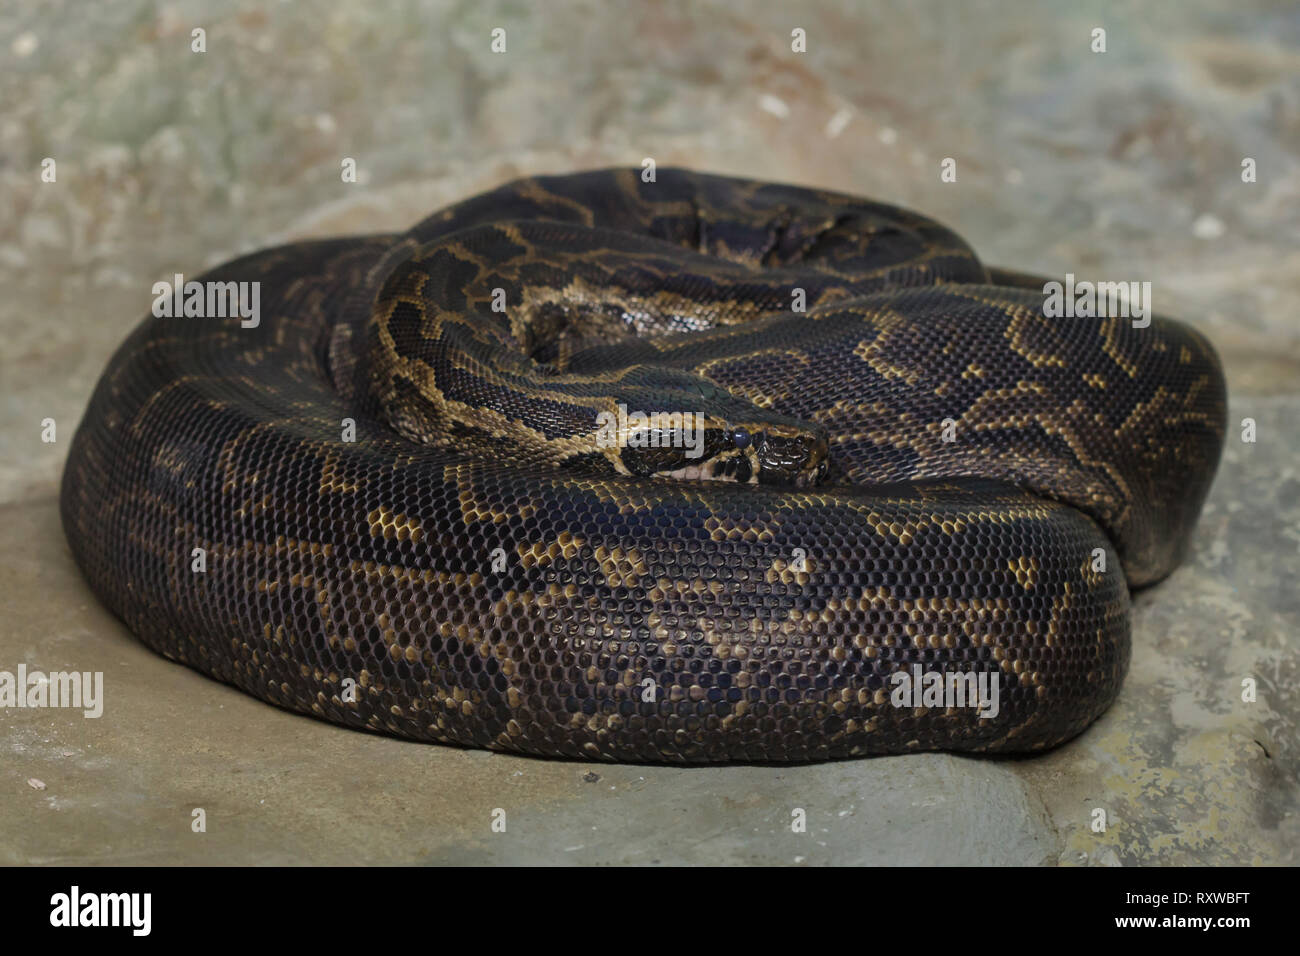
pixel 740 437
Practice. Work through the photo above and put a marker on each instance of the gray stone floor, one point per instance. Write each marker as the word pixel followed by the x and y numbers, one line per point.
pixel 1119 165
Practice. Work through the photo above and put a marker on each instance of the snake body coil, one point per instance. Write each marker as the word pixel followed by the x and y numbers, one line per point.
pixel 841 450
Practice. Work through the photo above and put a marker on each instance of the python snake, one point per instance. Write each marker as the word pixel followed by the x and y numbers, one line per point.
pixel 842 450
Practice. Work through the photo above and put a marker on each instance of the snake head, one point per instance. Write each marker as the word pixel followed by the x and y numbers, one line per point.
pixel 699 447
pixel 701 432
pixel 788 454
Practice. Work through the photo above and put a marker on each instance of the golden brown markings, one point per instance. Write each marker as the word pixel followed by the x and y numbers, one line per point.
pixel 439 411
pixel 949 522
pixel 733 529
pixel 532 190
pixel 928 255
pixel 1142 411
pixel 406 284
pixel 541 554
pixel 415 421
pixel 226 463
pixel 894 428
pixel 953 520
pixel 420 374
pixel 282 546
pixel 149 545
pixel 672 590
pixel 972 371
pixel 1027 332
pixel 1060 604
pixel 714 371
pixel 559 448
pixel 417 277
pixel 653 260
pixel 1095 380
pixel 781 571
pixel 296 286
pixel 635 497
pixel 406 643
pixel 621 567
pixel 1091 578
pixel 331 480
pixel 1189 397
pixel 736 314
pixel 171 458
pixel 474 507
pixel 986 414
pixel 566 596
pixel 1025 568
pixel 1168 407
pixel 869 599
pixel 926 622
pixel 1109 329
pixel 384 523
pixel 628 182
pixel 296 580
pixel 874 351
pixel 512 232
pixel 901 531
pixel 747 257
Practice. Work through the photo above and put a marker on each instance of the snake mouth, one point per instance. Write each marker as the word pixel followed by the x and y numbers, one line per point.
pixel 737 467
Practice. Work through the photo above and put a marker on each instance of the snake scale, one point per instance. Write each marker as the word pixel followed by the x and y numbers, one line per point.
pixel 889 461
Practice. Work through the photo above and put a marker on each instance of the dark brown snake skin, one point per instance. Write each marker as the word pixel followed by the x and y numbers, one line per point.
pixel 920 468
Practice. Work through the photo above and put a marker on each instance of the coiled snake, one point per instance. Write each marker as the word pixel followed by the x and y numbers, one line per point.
pixel 680 470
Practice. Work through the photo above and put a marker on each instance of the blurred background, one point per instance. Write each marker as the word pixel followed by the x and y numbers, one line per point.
pixel 1123 164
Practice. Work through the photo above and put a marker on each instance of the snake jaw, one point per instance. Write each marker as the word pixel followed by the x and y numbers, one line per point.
pixel 736 469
